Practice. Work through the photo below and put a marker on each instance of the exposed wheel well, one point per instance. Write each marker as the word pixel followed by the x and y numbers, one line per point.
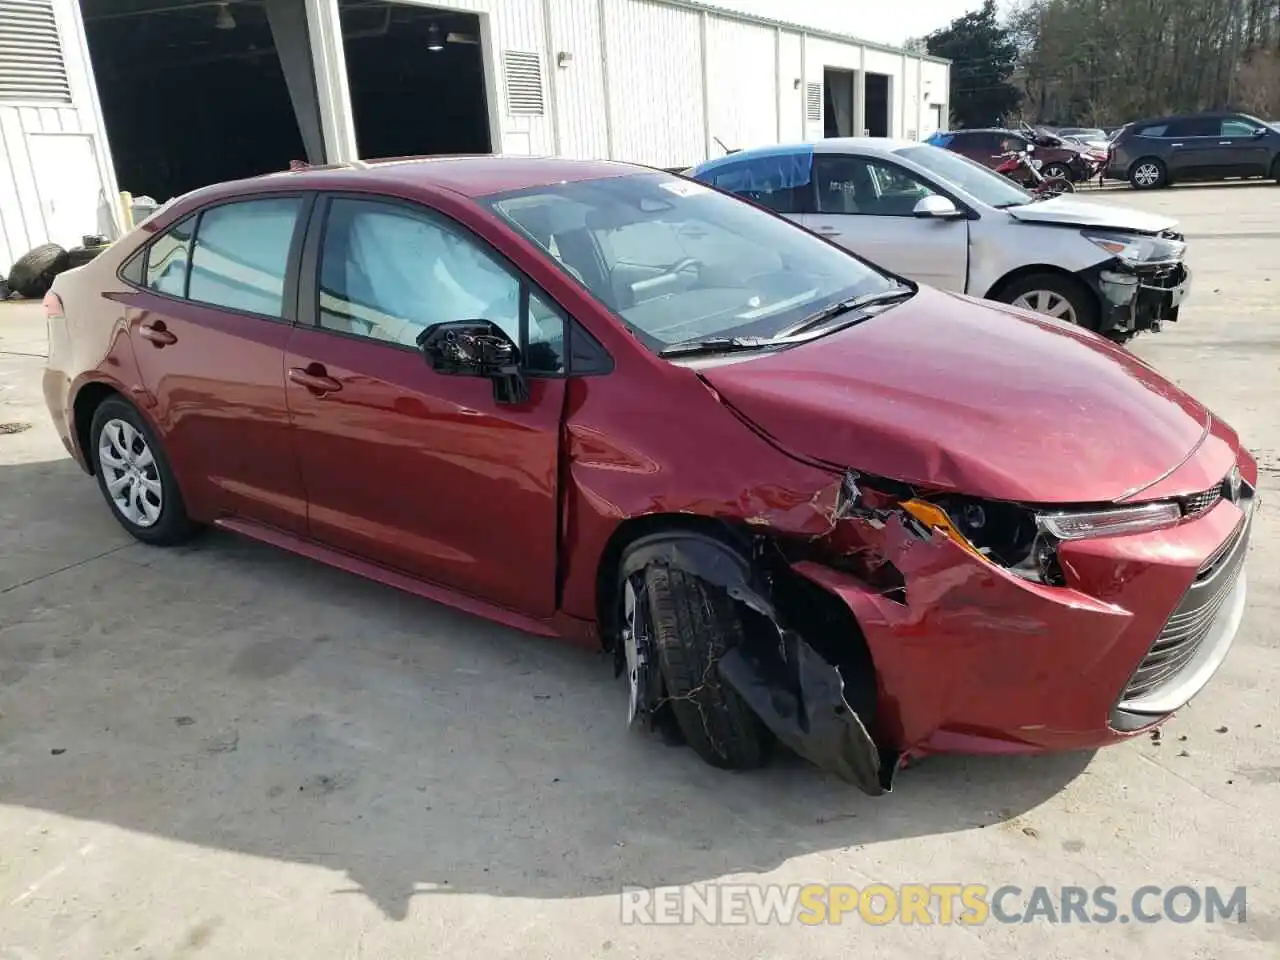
pixel 88 399
pixel 821 617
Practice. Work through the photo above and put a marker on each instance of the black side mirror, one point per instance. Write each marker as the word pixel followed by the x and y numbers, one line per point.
pixel 1259 131
pixel 476 348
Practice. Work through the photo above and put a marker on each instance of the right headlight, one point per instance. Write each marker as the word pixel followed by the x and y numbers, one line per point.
pixel 1025 541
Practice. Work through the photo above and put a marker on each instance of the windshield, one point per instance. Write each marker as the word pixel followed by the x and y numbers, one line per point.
pixel 679 261
pixel 971 177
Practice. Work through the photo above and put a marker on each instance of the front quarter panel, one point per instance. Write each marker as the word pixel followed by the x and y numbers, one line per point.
pixel 1000 244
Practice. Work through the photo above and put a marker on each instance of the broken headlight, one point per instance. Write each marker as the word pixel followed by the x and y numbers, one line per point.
pixel 1025 541
pixel 1138 248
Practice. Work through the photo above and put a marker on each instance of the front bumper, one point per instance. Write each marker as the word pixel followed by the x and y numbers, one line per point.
pixel 977 660
pixel 1134 299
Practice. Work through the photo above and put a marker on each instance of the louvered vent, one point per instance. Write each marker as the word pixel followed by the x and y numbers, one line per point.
pixel 524 83
pixel 31 65
pixel 813 102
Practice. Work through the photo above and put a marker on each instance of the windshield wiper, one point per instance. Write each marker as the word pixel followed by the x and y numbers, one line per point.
pixel 843 306
pixel 715 345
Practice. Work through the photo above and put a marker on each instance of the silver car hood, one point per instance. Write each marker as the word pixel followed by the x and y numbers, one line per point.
pixel 1068 211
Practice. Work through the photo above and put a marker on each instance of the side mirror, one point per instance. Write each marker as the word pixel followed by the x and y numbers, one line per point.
pixel 1259 131
pixel 476 348
pixel 936 207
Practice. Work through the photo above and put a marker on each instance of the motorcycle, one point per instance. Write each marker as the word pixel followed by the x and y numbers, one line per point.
pixel 1019 166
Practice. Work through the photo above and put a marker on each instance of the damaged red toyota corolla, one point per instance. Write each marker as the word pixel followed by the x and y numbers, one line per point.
pixel 802 500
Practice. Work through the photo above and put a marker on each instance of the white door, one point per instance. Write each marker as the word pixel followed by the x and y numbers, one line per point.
pixel 867 205
pixel 69 185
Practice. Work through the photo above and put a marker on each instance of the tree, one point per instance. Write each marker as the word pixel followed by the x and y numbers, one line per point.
pixel 983 56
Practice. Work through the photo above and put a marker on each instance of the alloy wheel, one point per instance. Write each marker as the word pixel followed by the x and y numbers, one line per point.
pixel 130 471
pixel 1147 175
pixel 1049 303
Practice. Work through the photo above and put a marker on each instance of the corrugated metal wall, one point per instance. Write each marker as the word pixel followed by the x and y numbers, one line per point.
pixel 30 192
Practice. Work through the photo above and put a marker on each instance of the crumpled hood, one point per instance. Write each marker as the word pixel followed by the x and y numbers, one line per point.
pixel 1084 213
pixel 966 395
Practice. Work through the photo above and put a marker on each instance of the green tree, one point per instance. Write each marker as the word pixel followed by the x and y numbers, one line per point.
pixel 983 56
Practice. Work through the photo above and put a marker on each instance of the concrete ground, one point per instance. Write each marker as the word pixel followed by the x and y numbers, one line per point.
pixel 224 751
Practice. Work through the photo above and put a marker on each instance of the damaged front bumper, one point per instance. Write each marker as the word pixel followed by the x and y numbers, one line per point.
pixel 1134 298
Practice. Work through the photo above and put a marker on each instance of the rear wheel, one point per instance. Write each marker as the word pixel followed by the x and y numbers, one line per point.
pixel 135 477
pixel 1056 171
pixel 1054 295
pixel 1148 174
pixel 1057 185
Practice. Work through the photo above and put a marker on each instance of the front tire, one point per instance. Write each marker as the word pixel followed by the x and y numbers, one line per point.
pixel 1054 295
pixel 135 477
pixel 1148 174
pixel 1056 171
pixel 694 624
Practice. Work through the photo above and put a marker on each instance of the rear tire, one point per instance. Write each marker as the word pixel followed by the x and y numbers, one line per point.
pixel 1056 171
pixel 1046 292
pixel 1148 174
pixel 135 477
pixel 694 624
pixel 1058 185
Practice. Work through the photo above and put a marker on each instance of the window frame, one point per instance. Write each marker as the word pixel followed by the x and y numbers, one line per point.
pixel 599 363
pixel 293 260
pixel 933 185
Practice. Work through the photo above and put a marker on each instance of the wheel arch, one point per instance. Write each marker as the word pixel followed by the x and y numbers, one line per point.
pixel 1027 270
pixel 86 401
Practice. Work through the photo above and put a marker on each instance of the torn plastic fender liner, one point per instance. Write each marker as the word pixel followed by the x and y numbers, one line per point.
pixel 796 693
pixel 812 717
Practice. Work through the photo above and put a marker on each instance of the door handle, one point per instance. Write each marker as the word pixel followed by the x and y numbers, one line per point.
pixel 1225 143
pixel 1175 144
pixel 315 379
pixel 157 333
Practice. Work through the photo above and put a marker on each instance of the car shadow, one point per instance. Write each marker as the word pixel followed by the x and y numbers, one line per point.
pixel 233 697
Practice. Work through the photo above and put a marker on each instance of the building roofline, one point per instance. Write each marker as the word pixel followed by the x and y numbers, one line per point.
pixel 707 6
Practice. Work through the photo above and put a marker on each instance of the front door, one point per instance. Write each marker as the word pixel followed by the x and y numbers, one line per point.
pixel 422 471
pixel 208 330
pixel 1245 153
pixel 866 205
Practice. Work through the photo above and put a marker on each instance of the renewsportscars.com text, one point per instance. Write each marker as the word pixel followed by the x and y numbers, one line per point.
pixel 968 904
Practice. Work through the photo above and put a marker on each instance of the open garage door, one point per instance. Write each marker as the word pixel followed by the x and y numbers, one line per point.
pixel 417 80
pixel 192 93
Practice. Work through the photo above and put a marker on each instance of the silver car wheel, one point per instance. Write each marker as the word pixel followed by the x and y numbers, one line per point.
pixel 1147 175
pixel 630 647
pixel 130 473
pixel 1049 303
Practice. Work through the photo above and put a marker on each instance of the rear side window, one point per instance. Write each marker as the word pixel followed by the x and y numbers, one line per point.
pixel 1155 130
pixel 167 260
pixel 1194 127
pixel 241 255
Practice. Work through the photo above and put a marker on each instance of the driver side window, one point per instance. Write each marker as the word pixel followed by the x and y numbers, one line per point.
pixel 388 272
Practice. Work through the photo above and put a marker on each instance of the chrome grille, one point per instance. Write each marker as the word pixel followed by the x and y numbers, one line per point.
pixel 1186 629
pixel 1198 503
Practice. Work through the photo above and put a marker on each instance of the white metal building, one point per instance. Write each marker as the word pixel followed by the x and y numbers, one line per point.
pixel 662 82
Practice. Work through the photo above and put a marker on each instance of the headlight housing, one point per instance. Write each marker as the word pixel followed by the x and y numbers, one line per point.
pixel 1137 248
pixel 1025 541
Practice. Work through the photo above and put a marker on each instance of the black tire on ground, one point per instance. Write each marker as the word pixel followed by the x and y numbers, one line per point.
pixel 173 526
pixel 1083 300
pixel 79 256
pixel 1056 170
pixel 694 624
pixel 32 274
pixel 1149 173
pixel 1059 185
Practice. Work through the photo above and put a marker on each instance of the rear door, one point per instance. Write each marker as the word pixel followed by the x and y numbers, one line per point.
pixel 866 205
pixel 421 471
pixel 1194 150
pixel 208 326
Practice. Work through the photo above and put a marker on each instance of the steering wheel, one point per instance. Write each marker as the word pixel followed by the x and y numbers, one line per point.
pixel 687 263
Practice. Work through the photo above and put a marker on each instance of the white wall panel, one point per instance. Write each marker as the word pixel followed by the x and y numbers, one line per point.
pixel 654 56
pixel 742 98
pixel 578 87
pixel 791 91
pixel 24 205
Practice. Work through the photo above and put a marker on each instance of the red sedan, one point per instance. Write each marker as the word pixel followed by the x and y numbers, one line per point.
pixel 800 499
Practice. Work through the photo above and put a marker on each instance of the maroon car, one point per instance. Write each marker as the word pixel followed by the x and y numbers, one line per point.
pixel 1056 157
pixel 800 499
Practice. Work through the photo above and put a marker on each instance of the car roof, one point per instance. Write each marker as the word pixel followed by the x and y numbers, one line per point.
pixel 872 146
pixel 468 176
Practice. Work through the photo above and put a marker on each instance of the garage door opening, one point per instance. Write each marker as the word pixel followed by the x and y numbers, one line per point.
pixel 877 104
pixel 838 109
pixel 417 80
pixel 192 93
